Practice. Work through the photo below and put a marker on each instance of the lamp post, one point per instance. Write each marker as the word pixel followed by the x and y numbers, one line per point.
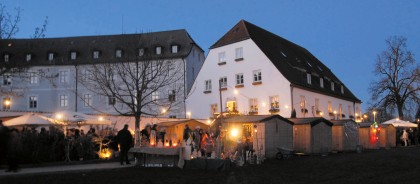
pixel 374 116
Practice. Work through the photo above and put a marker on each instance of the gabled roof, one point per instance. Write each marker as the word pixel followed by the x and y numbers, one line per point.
pixel 292 60
pixel 105 44
pixel 342 122
pixel 253 119
pixel 312 121
pixel 171 123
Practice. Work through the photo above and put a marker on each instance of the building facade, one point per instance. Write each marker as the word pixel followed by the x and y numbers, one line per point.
pixel 253 71
pixel 56 67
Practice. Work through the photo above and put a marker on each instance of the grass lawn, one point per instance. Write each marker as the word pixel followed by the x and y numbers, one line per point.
pixel 399 165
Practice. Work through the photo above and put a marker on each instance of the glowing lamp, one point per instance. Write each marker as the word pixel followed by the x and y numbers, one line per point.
pixel 174 144
pixel 167 144
pixel 234 133
pixel 58 116
pixel 101 118
pixel 255 130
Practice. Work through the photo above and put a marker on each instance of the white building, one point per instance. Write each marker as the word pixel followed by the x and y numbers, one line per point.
pixel 51 82
pixel 262 73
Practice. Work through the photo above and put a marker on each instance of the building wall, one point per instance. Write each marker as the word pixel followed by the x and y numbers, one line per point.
pixel 310 98
pixel 273 83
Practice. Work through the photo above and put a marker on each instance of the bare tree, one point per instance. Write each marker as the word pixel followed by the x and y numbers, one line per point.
pixel 397 85
pixel 141 84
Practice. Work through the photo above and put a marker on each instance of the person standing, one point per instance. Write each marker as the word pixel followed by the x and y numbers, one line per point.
pixel 4 141
pixel 125 139
pixel 405 137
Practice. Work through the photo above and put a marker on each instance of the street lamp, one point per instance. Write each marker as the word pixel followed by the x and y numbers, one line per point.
pixel 189 115
pixel 335 115
pixel 374 116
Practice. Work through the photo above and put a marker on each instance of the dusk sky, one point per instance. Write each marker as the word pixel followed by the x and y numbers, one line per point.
pixel 346 36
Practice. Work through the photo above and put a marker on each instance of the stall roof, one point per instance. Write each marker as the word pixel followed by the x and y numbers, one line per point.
pixel 313 121
pixel 171 123
pixel 342 121
pixel 254 118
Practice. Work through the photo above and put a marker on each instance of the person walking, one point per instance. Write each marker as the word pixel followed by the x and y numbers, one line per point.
pixel 125 139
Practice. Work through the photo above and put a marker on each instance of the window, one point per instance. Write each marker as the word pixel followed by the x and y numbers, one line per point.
pixel 155 95
pixel 95 54
pixel 158 50
pixel 64 76
pixel 349 110
pixel 28 57
pixel 88 100
pixel 64 101
pixel 238 54
pixel 73 55
pixel 118 53
pixel 111 100
pixel 332 86
pixel 87 74
pixel 208 85
pixel 274 102
pixel 316 104
pixel 222 57
pixel 33 102
pixel 257 75
pixel 33 78
pixel 141 52
pixel 231 106
pixel 330 108
pixel 342 89
pixel 340 111
pixel 50 56
pixel 321 82
pixel 7 80
pixel 223 82
pixel 7 102
pixel 309 78
pixel 302 103
pixel 253 105
pixel 172 116
pixel 6 57
pixel 239 79
pixel 174 49
pixel 171 96
pixel 213 109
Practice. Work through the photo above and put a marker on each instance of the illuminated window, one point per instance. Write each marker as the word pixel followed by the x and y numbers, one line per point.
pixel 330 108
pixel 253 105
pixel 7 102
pixel 231 106
pixel 274 102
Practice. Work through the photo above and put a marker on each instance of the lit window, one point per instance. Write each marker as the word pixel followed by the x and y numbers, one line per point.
pixel 118 53
pixel 33 102
pixel 141 52
pixel 88 100
pixel 33 78
pixel 73 55
pixel 208 85
pixel 253 105
pixel 7 102
pixel 257 75
pixel 239 79
pixel 340 111
pixel 330 108
pixel 6 58
pixel 64 100
pixel 95 54
pixel 155 95
pixel 158 50
pixel 239 53
pixel 302 103
pixel 222 57
pixel 223 82
pixel 64 76
pixel 50 56
pixel 274 102
pixel 174 48
pixel 7 79
pixel 309 78
pixel 342 89
pixel 321 82
pixel 332 86
pixel 231 106
pixel 28 57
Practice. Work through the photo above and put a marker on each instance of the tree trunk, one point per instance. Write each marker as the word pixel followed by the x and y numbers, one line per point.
pixel 137 131
pixel 400 111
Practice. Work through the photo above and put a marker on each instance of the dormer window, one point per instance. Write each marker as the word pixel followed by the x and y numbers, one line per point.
pixel 321 82
pixel 50 56
pixel 309 78
pixel 28 57
pixel 95 54
pixel 6 57
pixel 158 50
pixel 141 52
pixel 118 53
pixel 342 89
pixel 332 86
pixel 73 55
pixel 174 49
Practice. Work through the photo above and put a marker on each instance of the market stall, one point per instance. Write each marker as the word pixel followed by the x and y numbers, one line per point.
pixel 345 135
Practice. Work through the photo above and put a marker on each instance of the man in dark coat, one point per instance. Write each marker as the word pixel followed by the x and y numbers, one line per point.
pixel 4 140
pixel 125 139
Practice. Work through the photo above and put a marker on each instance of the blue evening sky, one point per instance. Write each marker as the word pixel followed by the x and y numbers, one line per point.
pixel 346 36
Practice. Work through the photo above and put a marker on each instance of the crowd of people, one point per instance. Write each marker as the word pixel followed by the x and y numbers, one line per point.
pixel 408 137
